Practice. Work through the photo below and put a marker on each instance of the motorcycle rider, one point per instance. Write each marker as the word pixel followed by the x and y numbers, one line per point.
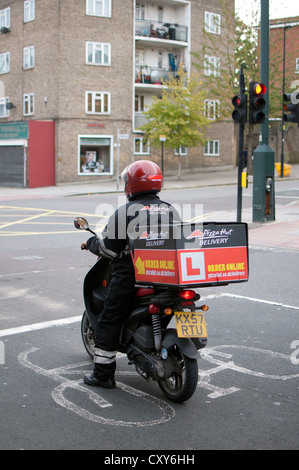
pixel 143 181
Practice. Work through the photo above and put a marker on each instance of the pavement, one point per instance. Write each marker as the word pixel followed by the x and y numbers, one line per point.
pixel 282 233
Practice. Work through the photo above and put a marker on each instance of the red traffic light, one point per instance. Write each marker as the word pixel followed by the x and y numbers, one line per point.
pixel 256 102
pixel 240 108
pixel 259 89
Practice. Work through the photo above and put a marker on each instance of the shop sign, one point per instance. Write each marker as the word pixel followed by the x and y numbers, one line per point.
pixel 14 130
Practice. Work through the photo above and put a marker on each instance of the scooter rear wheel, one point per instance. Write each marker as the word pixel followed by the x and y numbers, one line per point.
pixel 87 334
pixel 182 383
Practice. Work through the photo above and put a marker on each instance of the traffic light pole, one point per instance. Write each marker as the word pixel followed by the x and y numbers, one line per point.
pixel 263 157
pixel 240 154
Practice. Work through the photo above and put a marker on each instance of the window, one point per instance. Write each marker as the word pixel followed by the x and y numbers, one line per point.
pixel 182 150
pixel 212 148
pixel 139 103
pixel 211 66
pixel 4 112
pixel 98 7
pixel 98 53
pixel 5 62
pixel 97 102
pixel 5 18
pixel 29 10
pixel 28 104
pixel 141 147
pixel 95 155
pixel 297 66
pixel 212 23
pixel 211 109
pixel 140 11
pixel 28 57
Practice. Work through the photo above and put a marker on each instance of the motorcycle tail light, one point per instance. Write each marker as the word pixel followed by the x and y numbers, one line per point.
pixel 187 294
pixel 154 308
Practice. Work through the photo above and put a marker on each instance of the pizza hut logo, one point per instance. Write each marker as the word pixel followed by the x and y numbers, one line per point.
pixel 195 234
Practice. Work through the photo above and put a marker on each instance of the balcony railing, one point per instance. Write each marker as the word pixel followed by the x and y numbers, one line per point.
pixel 153 75
pixel 156 29
pixel 139 120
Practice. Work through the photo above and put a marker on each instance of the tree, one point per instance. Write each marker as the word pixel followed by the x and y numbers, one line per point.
pixel 179 114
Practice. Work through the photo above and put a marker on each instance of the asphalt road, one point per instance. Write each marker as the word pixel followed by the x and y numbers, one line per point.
pixel 247 395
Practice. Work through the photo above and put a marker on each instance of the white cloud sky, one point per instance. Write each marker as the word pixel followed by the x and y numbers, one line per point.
pixel 278 8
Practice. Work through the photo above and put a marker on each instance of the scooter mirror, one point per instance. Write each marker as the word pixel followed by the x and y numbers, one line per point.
pixel 81 223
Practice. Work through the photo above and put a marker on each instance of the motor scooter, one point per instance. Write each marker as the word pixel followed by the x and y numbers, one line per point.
pixel 161 349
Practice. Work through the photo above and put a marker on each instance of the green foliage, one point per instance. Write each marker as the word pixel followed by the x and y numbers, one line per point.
pixel 179 114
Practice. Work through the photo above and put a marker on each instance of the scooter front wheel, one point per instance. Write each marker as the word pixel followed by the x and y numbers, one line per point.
pixel 87 334
pixel 182 383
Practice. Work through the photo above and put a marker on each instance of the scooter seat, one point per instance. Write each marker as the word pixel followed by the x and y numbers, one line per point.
pixel 142 291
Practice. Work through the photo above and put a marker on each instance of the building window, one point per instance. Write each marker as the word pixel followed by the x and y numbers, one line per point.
pixel 211 109
pixel 212 148
pixel 141 147
pixel 4 112
pixel 5 18
pixel 28 104
pixel 97 102
pixel 29 10
pixel 139 103
pixel 182 150
pixel 212 66
pixel 98 7
pixel 98 53
pixel 212 23
pixel 297 66
pixel 140 11
pixel 5 62
pixel 28 57
pixel 95 155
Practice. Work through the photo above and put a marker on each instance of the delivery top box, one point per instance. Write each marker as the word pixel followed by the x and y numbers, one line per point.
pixel 206 254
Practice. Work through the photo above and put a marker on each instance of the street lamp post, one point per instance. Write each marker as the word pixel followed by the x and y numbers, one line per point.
pixel 283 86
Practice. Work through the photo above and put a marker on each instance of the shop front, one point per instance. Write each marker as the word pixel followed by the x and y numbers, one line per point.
pixel 27 154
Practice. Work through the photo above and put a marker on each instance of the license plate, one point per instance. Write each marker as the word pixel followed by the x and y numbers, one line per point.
pixel 191 325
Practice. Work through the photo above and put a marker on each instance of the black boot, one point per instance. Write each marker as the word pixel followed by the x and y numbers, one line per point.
pixel 102 376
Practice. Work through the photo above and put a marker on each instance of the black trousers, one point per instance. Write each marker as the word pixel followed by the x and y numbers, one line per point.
pixel 117 306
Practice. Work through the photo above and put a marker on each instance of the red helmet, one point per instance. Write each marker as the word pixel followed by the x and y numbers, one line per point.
pixel 140 177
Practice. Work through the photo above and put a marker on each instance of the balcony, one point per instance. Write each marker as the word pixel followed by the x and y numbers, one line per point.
pixel 152 75
pixel 155 31
pixel 139 121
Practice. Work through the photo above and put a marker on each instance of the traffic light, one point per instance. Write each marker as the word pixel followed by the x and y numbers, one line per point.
pixel 290 106
pixel 240 104
pixel 256 102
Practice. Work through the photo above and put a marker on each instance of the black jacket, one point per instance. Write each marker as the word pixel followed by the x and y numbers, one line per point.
pixel 147 212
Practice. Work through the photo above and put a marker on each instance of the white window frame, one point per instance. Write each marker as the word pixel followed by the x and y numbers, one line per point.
pixel 98 141
pixel 4 62
pixel 28 57
pixel 98 47
pixel 4 112
pixel 98 8
pixel 144 148
pixel 182 151
pixel 5 18
pixel 29 11
pixel 212 109
pixel 212 148
pixel 28 104
pixel 211 66
pixel 140 11
pixel 98 96
pixel 212 22
pixel 297 65
pixel 139 103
